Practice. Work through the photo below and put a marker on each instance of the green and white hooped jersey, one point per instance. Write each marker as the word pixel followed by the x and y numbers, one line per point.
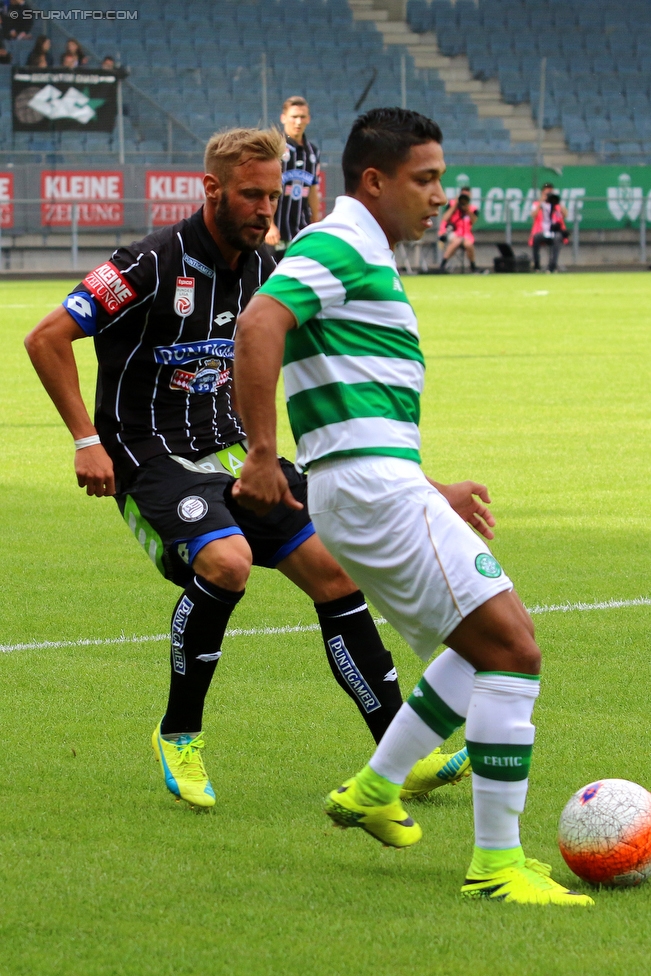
pixel 353 369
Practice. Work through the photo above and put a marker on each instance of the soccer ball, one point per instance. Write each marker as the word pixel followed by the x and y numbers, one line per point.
pixel 605 833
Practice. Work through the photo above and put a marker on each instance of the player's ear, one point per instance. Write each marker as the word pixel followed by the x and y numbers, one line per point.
pixel 212 186
pixel 371 181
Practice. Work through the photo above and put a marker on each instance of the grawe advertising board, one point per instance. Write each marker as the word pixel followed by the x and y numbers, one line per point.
pixel 6 196
pixel 97 194
pixel 46 99
pixel 600 196
pixel 173 195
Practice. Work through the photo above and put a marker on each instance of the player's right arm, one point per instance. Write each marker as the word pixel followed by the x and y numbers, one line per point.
pixel 49 347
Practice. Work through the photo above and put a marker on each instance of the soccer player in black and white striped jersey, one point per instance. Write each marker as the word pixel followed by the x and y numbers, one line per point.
pixel 168 443
pixel 300 203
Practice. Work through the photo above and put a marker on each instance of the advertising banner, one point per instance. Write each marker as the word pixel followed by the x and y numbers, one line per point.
pixel 46 99
pixel 97 194
pixel 6 196
pixel 173 195
pixel 603 197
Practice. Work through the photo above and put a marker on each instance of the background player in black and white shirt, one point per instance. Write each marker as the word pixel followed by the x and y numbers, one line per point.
pixel 162 312
pixel 299 204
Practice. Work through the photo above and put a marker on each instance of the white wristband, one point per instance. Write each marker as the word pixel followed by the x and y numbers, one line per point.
pixel 87 442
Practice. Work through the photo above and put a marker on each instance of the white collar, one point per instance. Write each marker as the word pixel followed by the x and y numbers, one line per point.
pixel 352 209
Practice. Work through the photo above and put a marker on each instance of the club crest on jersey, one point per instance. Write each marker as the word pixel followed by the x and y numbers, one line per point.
pixel 208 379
pixel 184 296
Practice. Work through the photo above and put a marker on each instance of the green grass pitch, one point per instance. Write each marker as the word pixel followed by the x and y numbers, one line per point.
pixel 538 386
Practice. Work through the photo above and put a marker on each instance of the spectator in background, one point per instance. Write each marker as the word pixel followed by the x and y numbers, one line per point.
pixel 548 228
pixel 108 64
pixel 40 56
pixel 456 228
pixel 14 24
pixel 300 203
pixel 69 61
pixel 74 48
pixel 5 56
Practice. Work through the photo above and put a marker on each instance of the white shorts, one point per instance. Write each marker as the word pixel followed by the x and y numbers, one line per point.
pixel 420 564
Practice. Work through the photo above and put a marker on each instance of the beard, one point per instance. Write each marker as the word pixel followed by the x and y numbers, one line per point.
pixel 231 231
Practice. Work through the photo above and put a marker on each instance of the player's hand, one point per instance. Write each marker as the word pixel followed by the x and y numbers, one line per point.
pixel 273 235
pixel 262 485
pixel 466 498
pixel 94 470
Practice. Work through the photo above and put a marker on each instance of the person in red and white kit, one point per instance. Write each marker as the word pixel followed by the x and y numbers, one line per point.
pixel 459 218
pixel 549 216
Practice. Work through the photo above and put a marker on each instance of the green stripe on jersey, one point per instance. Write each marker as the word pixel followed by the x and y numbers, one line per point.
pixel 342 337
pixel 362 281
pixel 334 402
pixel 298 297
pixel 406 453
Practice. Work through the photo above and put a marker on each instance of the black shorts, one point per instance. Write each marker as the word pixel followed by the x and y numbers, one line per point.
pixel 174 511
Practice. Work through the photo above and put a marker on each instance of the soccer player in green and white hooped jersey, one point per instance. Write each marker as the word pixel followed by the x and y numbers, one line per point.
pixel 353 375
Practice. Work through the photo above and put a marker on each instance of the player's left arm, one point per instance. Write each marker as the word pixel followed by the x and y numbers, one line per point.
pixel 259 346
pixel 467 499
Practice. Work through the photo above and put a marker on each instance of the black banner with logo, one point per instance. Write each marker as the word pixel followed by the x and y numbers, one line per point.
pixel 78 99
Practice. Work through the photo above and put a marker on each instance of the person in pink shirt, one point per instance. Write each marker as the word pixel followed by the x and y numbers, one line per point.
pixel 456 229
pixel 548 229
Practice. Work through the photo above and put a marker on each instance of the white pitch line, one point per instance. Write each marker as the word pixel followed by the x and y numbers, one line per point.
pixel 640 601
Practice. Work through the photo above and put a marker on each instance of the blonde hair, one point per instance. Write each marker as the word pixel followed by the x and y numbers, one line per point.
pixel 234 147
pixel 295 100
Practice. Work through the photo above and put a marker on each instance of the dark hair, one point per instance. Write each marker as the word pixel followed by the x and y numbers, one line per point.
pixel 463 198
pixel 383 138
pixel 547 186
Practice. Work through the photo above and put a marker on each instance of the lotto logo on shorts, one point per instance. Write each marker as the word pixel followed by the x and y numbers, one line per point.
pixel 351 675
pixel 488 565
pixel 109 287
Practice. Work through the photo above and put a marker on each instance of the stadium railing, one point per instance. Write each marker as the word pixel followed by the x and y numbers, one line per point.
pixel 59 234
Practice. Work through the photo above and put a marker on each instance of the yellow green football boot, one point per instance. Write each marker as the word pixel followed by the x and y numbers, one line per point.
pixel 525 881
pixel 437 769
pixel 183 769
pixel 389 823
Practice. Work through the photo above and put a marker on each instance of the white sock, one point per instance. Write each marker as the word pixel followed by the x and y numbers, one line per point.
pixel 436 707
pixel 406 741
pixel 453 679
pixel 499 736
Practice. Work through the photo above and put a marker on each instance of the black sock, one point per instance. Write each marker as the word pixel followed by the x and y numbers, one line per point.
pixel 198 625
pixel 443 263
pixel 473 266
pixel 361 664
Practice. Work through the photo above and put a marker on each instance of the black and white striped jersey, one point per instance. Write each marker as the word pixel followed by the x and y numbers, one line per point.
pixel 163 312
pixel 300 171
